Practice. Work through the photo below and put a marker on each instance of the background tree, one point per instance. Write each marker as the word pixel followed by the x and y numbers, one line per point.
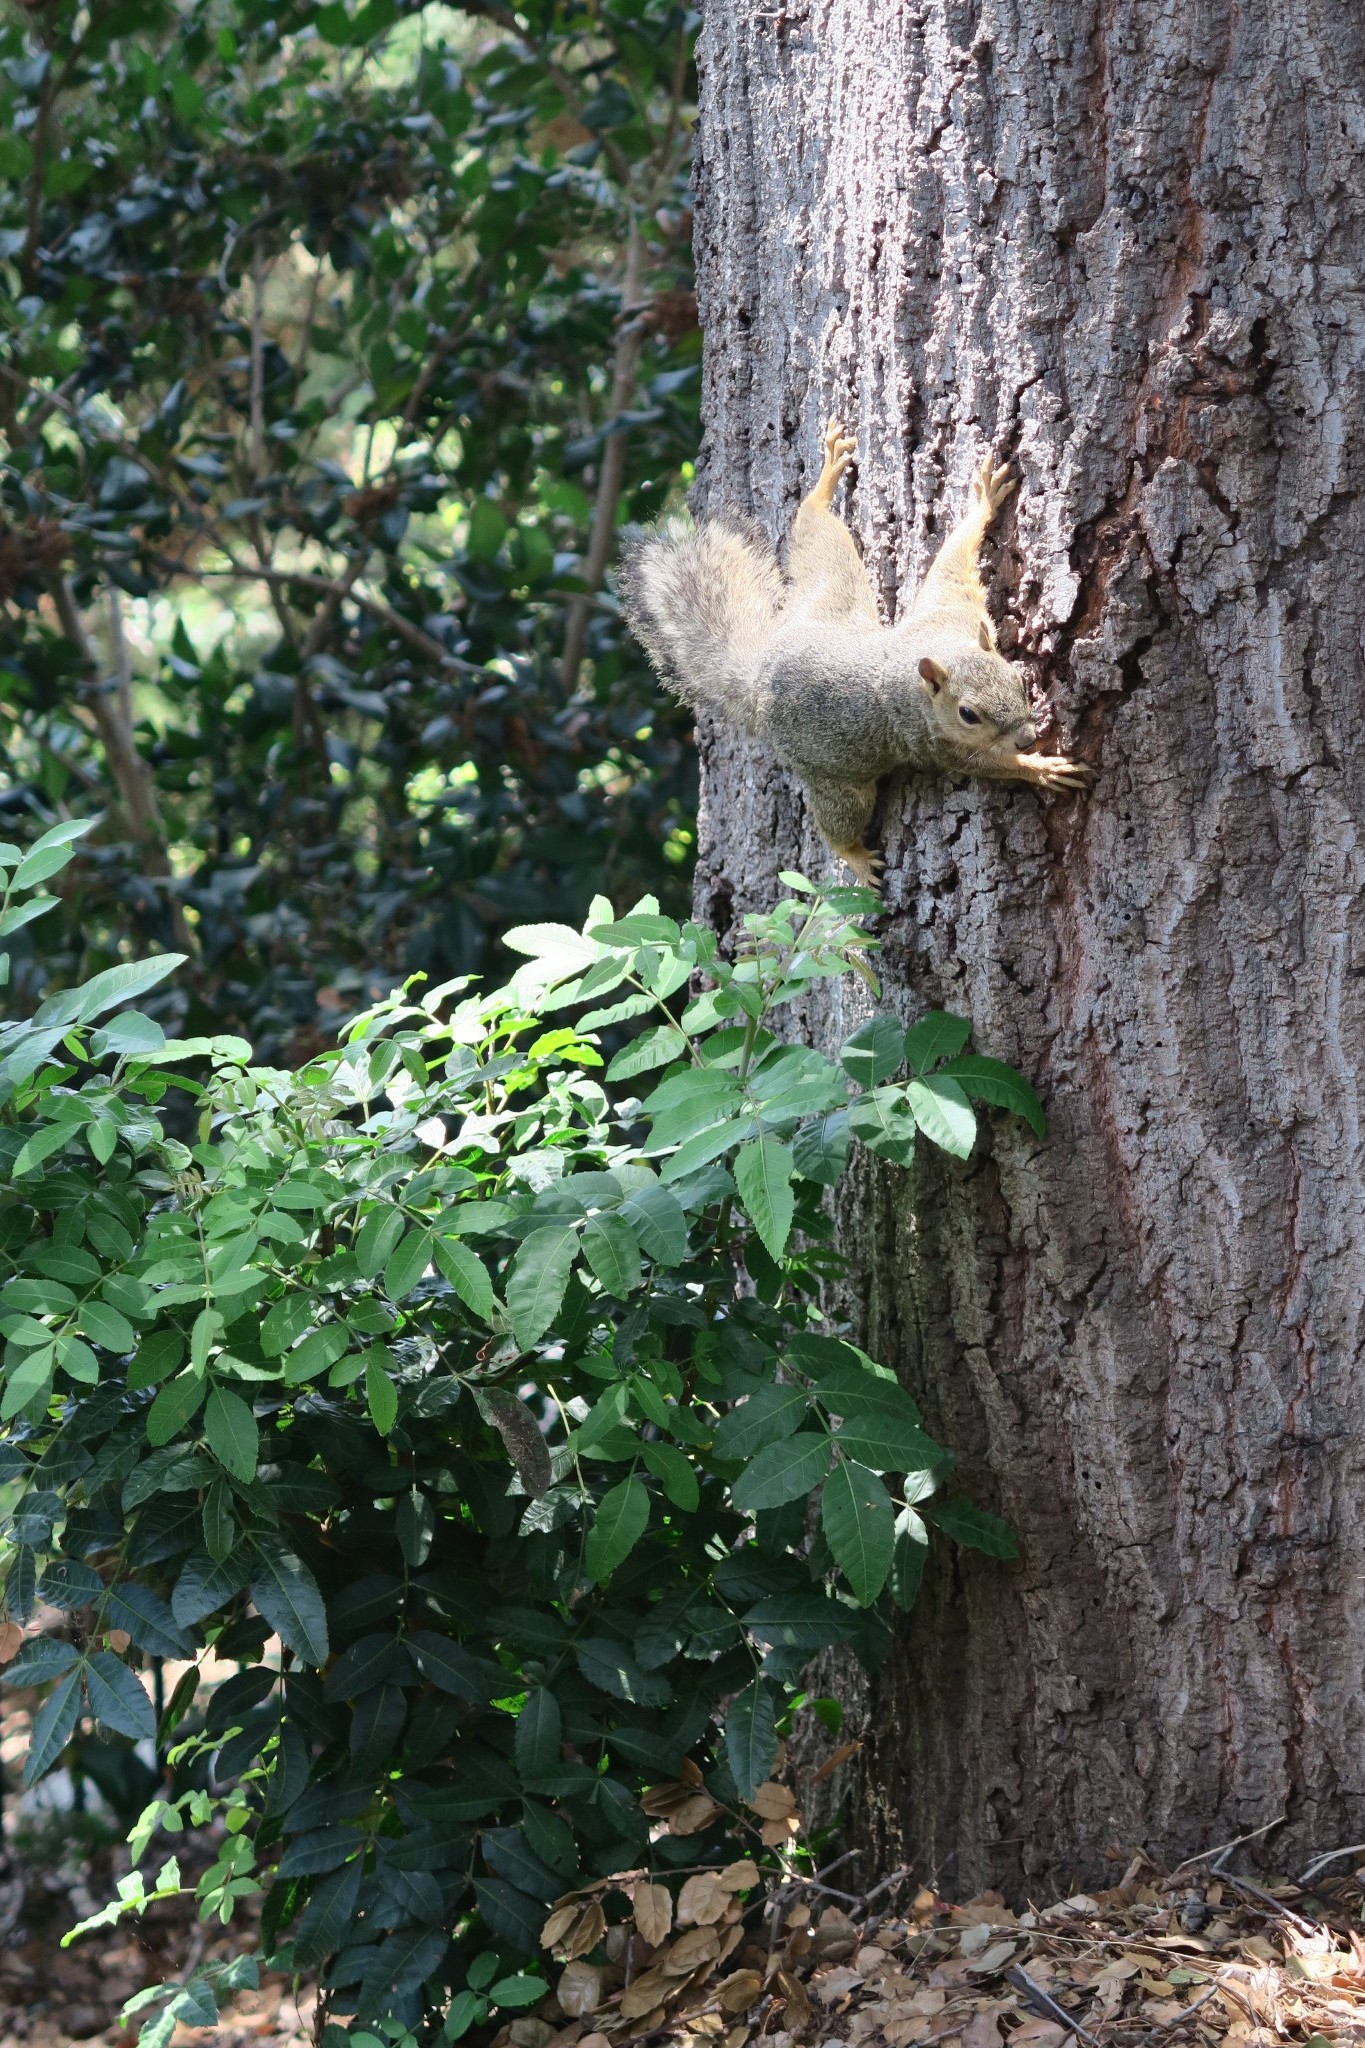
pixel 1123 248
pixel 338 342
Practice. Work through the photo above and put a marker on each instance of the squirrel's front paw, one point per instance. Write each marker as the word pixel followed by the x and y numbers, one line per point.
pixel 1055 771
pixel 993 485
pixel 867 866
pixel 840 448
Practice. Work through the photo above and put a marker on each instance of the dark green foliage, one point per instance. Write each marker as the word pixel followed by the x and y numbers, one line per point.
pixel 318 336
pixel 467 1396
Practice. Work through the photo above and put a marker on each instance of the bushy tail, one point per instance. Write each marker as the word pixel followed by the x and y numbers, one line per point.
pixel 704 600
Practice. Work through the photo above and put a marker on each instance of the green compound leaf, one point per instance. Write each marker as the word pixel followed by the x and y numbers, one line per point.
pixel 751 1737
pixel 381 1395
pixel 975 1527
pixel 612 1252
pixel 875 1051
pixel 885 1124
pixel 537 1279
pixel 859 1525
pixel 782 1472
pixel 117 1698
pixel 944 1114
pixel 467 1274
pixel 992 1081
pixel 621 1520
pixel 763 1175
pixel 286 1593
pixel 937 1036
pixel 230 1428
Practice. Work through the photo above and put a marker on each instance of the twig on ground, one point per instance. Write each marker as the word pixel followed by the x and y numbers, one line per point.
pixel 1048 2007
pixel 1321 1862
pixel 1225 1848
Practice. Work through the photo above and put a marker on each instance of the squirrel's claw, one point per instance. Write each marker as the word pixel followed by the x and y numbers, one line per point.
pixel 994 485
pixel 1055 772
pixel 867 866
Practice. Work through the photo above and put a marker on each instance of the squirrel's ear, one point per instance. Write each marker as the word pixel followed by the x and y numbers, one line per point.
pixel 933 673
pixel 985 636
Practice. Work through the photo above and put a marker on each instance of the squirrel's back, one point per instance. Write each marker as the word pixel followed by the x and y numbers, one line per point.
pixel 705 601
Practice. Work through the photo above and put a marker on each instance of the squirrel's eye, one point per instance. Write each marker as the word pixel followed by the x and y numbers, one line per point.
pixel 967 715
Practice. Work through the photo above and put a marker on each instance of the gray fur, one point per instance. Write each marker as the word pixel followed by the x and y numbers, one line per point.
pixel 806 667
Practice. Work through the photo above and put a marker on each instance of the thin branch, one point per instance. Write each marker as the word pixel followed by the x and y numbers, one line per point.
pixel 491 10
pixel 1321 1862
pixel 1226 1848
pixel 257 361
pixel 278 578
pixel 111 712
pixel 612 473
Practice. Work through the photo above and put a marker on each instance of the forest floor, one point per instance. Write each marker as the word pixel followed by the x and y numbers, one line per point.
pixel 1193 1958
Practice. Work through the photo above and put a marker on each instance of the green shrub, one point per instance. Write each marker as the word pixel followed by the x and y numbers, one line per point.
pixel 470 1394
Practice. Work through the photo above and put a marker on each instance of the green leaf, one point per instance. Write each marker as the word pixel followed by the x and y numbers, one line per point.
pixel 859 1525
pixel 379 1233
pixel 407 1264
pixel 944 1114
pixel 820 1149
pixel 675 1472
pixel 230 1428
pixel 884 1123
pixel 27 1381
pixel 220 1528
pixel 880 1426
pixel 610 1248
pixel 147 1619
pixel 157 1355
pixel 658 1048
pixel 517 1991
pixel 287 1597
pixel 286 1321
pixel 53 1726
pixel 874 1052
pixel 452 1668
pixel 620 1521
pixel 974 1527
pixel 937 1036
pixel 751 1737
pixel 176 1404
pixel 537 1279
pixel 658 1219
pixel 207 1584
pixel 763 1173
pixel 467 1274
pixel 605 1664
pixel 381 1394
pixel 82 1005
pixel 782 1472
pixel 117 1698
pixel 766 1417
pixel 992 1081
pixel 104 1325
pixel 538 1735
pixel 908 1558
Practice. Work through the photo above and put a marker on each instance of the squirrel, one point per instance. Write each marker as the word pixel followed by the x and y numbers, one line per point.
pixel 805 665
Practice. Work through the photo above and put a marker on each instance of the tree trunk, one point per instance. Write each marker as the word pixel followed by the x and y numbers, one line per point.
pixel 1125 246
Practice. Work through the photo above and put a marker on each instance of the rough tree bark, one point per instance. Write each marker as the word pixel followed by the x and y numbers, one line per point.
pixel 1125 244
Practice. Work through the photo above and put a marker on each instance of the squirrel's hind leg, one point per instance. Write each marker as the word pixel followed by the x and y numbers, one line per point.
pixel 842 810
pixel 828 580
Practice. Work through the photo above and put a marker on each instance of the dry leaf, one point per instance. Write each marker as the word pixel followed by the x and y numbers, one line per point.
pixel 831 1764
pixel 702 1900
pixel 579 1990
pixel 1034 2034
pixel 653 1909
pixel 693 1815
pixel 118 1639
pixel 644 1994
pixel 994 1959
pixel 594 2041
pixel 798 2004
pixel 775 1834
pixel 737 1877
pixel 982 2030
pixel 11 1641
pixel 701 1945
pixel 558 1924
pixel 527 2032
pixel 573 1936
pixel 738 1991
pixel 772 1801
pixel 736 2037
